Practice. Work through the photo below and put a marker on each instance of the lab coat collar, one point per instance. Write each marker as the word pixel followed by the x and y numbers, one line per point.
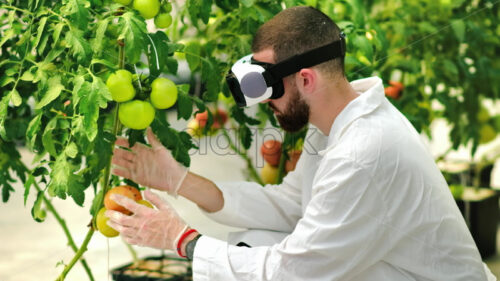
pixel 372 95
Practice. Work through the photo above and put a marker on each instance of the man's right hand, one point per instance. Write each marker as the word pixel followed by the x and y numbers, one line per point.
pixel 148 166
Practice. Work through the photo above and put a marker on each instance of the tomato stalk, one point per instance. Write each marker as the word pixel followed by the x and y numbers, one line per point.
pixel 281 165
pixel 107 174
pixel 243 154
pixel 61 222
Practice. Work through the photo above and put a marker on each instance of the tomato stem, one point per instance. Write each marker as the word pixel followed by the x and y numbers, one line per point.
pixel 243 154
pixel 107 174
pixel 62 222
pixel 77 256
pixel 281 165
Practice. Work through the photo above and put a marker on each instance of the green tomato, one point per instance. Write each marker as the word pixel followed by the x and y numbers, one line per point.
pixel 486 133
pixel 164 93
pixel 136 114
pixel 102 226
pixel 483 115
pixel 123 2
pixel 167 7
pixel 147 8
pixel 120 86
pixel 163 20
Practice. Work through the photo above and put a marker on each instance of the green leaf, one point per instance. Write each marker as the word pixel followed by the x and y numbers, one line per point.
pixel 133 31
pixel 80 47
pixel 90 97
pixel 6 36
pixel 199 9
pixel 79 15
pixel 27 76
pixel 178 143
pixel 36 211
pixel 245 135
pixel 4 105
pixel 211 75
pixel 6 190
pixel 193 51
pixel 54 90
pixel 450 67
pixel 239 115
pixel 33 130
pixel 27 185
pixel 248 3
pixel 184 103
pixel 362 44
pixel 39 33
pixel 57 33
pixel 60 177
pixel 15 98
pixel 96 44
pixel 458 27
pixel 158 52
pixel 47 140
pixel 71 150
pixel 76 189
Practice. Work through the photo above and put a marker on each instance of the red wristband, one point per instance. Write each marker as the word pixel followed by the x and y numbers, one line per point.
pixel 186 234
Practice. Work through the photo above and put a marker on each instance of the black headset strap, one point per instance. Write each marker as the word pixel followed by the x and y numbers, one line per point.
pixel 310 58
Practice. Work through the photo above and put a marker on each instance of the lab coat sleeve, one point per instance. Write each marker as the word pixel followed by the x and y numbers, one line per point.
pixel 342 233
pixel 249 205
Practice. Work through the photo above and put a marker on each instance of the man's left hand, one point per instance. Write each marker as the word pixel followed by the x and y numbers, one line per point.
pixel 157 228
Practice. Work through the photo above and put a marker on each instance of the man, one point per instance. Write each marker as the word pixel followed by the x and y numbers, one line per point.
pixel 370 205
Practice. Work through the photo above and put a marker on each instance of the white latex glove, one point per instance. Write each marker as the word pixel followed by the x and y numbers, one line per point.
pixel 159 228
pixel 148 166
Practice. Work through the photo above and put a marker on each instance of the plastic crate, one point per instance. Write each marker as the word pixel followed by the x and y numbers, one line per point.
pixel 155 268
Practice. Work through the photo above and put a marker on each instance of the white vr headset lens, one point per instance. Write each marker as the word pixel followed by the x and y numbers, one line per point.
pixel 247 81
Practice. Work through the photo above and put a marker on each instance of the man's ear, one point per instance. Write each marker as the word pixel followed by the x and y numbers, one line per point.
pixel 306 80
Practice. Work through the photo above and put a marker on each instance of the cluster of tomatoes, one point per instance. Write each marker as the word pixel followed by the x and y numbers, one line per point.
pixel 271 152
pixel 149 9
pixel 138 114
pixel 196 125
pixel 125 190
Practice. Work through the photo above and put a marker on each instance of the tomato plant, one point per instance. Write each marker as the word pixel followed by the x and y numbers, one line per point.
pixel 57 57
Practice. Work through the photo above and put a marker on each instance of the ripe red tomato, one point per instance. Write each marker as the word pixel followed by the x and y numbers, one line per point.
pixel 125 190
pixel 392 92
pixel 271 151
pixel 293 157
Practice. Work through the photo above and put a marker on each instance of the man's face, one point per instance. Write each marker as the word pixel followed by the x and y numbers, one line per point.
pixel 291 110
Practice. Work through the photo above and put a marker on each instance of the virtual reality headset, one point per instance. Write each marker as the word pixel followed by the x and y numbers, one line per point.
pixel 251 81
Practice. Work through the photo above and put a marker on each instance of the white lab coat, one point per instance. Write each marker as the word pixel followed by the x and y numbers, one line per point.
pixel 366 203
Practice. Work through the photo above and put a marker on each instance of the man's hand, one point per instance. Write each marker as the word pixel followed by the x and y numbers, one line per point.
pixel 149 166
pixel 160 228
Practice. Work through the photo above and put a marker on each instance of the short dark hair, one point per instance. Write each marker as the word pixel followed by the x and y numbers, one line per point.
pixel 297 30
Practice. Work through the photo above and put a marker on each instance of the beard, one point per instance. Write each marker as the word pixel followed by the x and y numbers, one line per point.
pixel 296 114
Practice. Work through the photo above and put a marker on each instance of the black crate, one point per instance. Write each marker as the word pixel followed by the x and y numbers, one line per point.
pixel 482 216
pixel 155 268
